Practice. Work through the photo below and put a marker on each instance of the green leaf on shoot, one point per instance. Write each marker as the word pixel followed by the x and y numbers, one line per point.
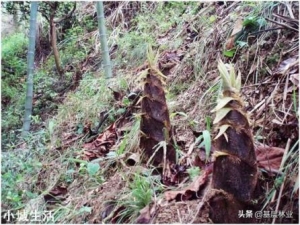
pixel 221 114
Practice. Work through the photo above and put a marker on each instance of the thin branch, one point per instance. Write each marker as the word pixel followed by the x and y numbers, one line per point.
pixel 66 16
pixel 283 24
pixel 266 30
pixel 103 116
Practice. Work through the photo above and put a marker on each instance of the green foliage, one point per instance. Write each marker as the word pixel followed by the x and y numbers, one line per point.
pixel 92 168
pixel 290 169
pixel 252 21
pixel 142 189
pixel 179 87
pixel 13 64
pixel 92 97
pixel 193 172
pixel 229 53
pixel 13 74
pixel 19 169
pixel 89 23
pixel 13 46
pixel 208 123
pixel 45 8
pixel 135 45
pixel 72 52
pixel 122 146
pixel 146 25
pixel 204 140
pixel 251 24
pixel 14 68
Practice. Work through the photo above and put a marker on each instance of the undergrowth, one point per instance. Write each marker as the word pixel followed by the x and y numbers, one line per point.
pixel 142 189
pixel 19 169
pixel 13 71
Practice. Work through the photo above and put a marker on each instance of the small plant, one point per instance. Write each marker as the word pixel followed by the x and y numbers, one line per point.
pixel 205 140
pixel 251 24
pixel 193 172
pixel 36 119
pixel 178 113
pixel 91 168
pixel 141 191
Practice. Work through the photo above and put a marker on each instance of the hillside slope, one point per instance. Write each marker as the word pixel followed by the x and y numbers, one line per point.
pixel 85 174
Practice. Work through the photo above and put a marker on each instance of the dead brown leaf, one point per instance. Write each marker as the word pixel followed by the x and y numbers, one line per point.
pixel 295 79
pixel 187 192
pixel 102 144
pixel 59 190
pixel 238 26
pixel 56 194
pixel 146 214
pixel 68 142
pixel 286 65
pixel 269 158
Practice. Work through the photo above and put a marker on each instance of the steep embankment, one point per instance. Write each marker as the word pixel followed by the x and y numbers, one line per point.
pixel 91 168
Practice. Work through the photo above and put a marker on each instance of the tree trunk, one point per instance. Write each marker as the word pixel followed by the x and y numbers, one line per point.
pixel 16 18
pixel 104 47
pixel 30 69
pixel 54 44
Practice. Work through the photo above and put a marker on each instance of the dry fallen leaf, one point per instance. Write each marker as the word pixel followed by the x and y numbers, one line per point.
pixel 238 26
pixel 295 79
pixel 56 194
pixel 146 214
pixel 286 65
pixel 102 144
pixel 268 158
pixel 195 186
pixel 59 190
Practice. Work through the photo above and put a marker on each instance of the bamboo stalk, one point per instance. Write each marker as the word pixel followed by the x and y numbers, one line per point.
pixel 102 31
pixel 30 69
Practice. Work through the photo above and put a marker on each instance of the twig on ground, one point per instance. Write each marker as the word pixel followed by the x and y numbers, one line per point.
pixel 282 185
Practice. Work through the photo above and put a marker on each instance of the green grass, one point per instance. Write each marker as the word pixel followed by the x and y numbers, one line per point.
pixel 92 97
pixel 13 72
pixel 14 44
pixel 13 63
pixel 19 169
pixel 150 22
pixel 142 189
